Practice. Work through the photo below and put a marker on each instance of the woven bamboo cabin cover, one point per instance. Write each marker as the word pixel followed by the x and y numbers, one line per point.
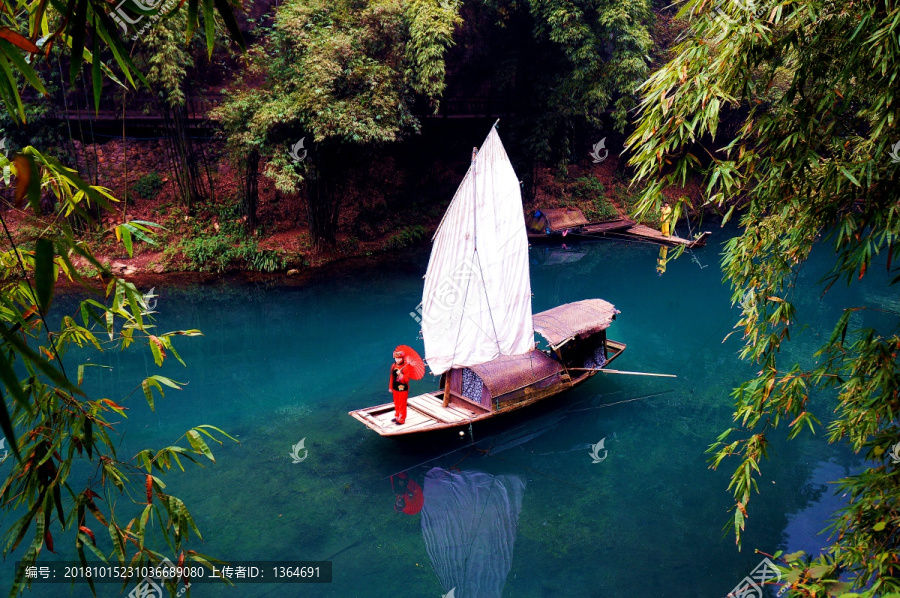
pixel 581 318
pixel 564 218
pixel 510 372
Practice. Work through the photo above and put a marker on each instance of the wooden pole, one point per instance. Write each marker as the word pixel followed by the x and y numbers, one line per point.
pixel 605 371
pixel 446 393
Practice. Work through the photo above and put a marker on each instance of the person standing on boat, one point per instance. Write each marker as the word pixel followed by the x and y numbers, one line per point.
pixel 399 386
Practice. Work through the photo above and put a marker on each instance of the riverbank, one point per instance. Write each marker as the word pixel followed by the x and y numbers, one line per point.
pixel 210 239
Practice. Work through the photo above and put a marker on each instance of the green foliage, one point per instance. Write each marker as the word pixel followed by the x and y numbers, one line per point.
pixel 430 26
pixel 86 21
pixel 148 186
pixel 405 237
pixel 217 251
pixel 338 71
pixel 605 44
pixel 341 75
pixel 570 66
pixel 165 59
pixel 53 426
pixel 601 209
pixel 631 203
pixel 588 187
pixel 811 164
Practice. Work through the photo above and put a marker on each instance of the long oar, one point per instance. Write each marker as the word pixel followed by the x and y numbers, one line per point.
pixel 606 371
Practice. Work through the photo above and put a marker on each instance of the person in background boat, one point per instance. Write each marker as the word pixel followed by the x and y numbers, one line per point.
pixel 664 216
pixel 410 497
pixel 399 386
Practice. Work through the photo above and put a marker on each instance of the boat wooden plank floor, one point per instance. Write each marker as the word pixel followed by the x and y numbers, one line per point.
pixel 651 234
pixel 605 227
pixel 423 411
pixel 435 409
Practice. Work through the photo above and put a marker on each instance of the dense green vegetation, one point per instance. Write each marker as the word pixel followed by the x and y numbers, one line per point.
pixel 810 164
pixel 49 421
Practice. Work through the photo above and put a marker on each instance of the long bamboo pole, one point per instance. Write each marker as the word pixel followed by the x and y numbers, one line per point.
pixel 606 371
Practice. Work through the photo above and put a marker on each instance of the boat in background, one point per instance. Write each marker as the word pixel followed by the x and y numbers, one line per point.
pixel 554 224
pixel 477 322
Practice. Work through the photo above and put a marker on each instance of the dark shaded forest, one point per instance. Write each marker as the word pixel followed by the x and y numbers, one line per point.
pixel 184 151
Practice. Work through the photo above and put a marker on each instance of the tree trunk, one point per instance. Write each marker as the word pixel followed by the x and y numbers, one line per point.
pixel 323 199
pixel 251 188
pixel 183 157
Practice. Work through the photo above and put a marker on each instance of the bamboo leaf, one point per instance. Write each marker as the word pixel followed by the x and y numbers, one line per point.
pixel 7 427
pixel 96 80
pixel 209 24
pixel 12 383
pixel 199 444
pixel 23 67
pixel 77 28
pixel 28 182
pixel 227 14
pixel 44 272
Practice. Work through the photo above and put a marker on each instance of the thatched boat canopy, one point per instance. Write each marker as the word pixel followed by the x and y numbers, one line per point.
pixel 556 220
pixel 582 318
pixel 511 372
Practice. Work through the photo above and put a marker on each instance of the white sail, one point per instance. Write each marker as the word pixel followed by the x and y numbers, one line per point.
pixel 476 304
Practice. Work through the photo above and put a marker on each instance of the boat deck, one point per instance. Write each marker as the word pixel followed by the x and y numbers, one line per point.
pixel 422 411
pixel 646 233
pixel 593 228
pixel 606 227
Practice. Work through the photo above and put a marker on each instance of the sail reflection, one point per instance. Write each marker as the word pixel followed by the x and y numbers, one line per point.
pixel 469 523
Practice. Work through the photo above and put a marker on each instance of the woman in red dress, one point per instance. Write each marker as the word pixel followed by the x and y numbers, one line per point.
pixel 399 386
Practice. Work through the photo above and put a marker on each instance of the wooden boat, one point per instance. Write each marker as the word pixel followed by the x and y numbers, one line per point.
pixel 477 322
pixel 555 223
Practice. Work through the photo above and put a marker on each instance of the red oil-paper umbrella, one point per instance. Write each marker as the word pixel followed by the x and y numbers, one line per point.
pixel 415 365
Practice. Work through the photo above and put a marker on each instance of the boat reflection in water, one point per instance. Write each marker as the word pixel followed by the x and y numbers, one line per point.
pixel 469 523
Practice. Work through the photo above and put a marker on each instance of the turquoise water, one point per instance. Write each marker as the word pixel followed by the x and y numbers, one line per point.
pixel 278 364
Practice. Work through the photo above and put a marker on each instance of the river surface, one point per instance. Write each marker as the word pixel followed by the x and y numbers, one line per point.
pixel 516 508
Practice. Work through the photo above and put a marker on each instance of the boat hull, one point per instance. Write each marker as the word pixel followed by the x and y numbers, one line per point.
pixel 426 413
